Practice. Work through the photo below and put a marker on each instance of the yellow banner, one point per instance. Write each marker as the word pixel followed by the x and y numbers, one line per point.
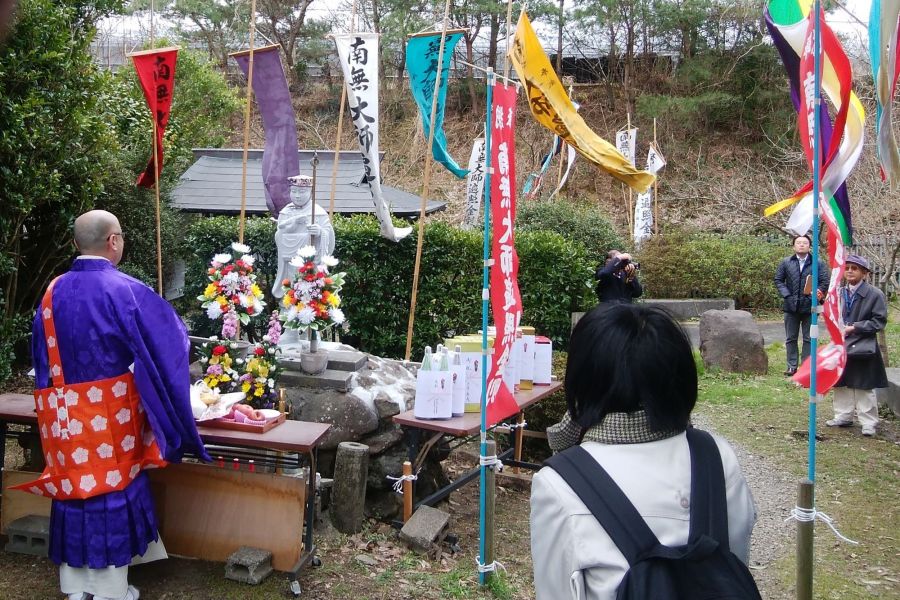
pixel 552 108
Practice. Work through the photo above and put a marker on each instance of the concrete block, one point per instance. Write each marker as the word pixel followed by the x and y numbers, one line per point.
pixel 425 529
pixel 890 396
pixel 327 380
pixel 249 565
pixel 29 535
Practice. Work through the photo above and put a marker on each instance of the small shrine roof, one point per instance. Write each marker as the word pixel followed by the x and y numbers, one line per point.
pixel 213 184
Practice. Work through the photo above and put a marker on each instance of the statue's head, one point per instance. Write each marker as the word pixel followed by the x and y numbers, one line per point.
pixel 301 190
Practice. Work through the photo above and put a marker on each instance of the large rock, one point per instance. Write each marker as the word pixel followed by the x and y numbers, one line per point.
pixel 890 396
pixel 731 340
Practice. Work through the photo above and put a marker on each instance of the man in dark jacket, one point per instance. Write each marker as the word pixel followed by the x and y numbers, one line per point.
pixel 790 280
pixel 864 311
pixel 617 281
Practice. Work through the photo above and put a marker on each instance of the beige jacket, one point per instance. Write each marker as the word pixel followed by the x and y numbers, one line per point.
pixel 573 556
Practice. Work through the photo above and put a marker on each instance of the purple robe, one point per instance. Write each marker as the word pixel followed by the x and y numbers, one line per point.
pixel 105 321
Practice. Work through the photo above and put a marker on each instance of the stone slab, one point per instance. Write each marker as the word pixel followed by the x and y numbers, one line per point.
pixel 345 360
pixel 328 380
pixel 680 309
pixel 249 565
pixel 425 529
pixel 29 535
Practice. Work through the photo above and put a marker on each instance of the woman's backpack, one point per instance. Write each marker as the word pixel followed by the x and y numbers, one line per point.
pixel 704 568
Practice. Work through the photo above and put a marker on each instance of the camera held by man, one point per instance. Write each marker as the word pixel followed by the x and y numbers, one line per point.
pixel 617 281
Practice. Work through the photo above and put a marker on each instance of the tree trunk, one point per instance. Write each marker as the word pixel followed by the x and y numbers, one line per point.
pixel 471 71
pixel 492 41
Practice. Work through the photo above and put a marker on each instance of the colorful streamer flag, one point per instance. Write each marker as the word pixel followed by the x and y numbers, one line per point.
pixel 506 303
pixel 422 64
pixel 570 157
pixel 643 211
pixel 552 108
pixel 156 74
pixel 831 359
pixel 883 40
pixel 474 184
pixel 358 54
pixel 281 154
pixel 842 144
pixel 533 183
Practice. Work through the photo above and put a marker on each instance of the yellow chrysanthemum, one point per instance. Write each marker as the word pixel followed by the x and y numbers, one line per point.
pixel 286 301
pixel 254 289
pixel 245 387
pixel 333 300
pixel 258 392
pixel 222 301
pixel 210 291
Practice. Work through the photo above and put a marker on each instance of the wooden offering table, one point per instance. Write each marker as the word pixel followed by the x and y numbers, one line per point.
pixel 209 511
pixel 465 428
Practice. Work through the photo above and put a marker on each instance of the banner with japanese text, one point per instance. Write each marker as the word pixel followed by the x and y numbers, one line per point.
pixel 551 107
pixel 474 184
pixel 422 64
pixel 626 143
pixel 506 303
pixel 358 55
pixel 884 35
pixel 281 154
pixel 643 211
pixel 156 74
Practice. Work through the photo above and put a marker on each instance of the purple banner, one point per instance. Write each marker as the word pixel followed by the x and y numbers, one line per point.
pixel 281 156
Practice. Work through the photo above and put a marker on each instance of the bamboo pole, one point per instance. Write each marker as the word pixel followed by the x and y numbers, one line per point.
pixel 407 491
pixel 630 191
pixel 159 276
pixel 655 189
pixel 490 504
pixel 805 533
pixel 425 185
pixel 337 151
pixel 508 24
pixel 247 124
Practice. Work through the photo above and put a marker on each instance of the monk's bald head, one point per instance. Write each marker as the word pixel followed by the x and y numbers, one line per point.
pixel 92 231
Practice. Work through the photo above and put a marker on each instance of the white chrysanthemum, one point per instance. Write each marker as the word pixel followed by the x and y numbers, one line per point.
pixel 257 306
pixel 307 251
pixel 248 259
pixel 298 261
pixel 291 314
pixel 244 300
pixel 239 247
pixel 221 258
pixel 306 315
pixel 337 315
pixel 329 261
pixel 213 311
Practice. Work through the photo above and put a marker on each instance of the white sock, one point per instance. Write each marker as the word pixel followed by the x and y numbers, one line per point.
pixel 131 594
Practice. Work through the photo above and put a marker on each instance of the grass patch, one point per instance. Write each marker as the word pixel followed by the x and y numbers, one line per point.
pixel 856 477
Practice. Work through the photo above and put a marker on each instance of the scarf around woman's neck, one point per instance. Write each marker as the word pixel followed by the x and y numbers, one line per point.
pixel 615 428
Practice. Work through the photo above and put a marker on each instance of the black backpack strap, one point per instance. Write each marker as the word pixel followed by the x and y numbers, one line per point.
pixel 606 501
pixel 709 506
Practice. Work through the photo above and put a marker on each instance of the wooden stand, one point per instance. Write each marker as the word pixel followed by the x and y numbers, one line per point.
pixel 250 427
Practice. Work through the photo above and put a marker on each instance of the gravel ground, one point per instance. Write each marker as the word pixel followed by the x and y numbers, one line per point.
pixel 774 492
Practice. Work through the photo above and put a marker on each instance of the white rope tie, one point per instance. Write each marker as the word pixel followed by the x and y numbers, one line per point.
pixel 398 481
pixel 491 462
pixel 514 426
pixel 490 567
pixel 806 515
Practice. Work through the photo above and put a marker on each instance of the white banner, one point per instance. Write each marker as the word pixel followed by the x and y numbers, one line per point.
pixel 643 210
pixel 358 54
pixel 572 153
pixel 626 141
pixel 474 184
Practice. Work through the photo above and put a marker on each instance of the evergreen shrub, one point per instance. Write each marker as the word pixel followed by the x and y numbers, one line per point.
pixel 576 223
pixel 703 265
pixel 555 279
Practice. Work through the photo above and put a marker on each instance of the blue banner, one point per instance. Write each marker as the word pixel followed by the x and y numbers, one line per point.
pixel 421 64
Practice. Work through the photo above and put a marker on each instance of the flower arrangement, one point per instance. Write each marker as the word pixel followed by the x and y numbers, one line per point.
pixel 232 293
pixel 313 298
pixel 217 357
pixel 261 370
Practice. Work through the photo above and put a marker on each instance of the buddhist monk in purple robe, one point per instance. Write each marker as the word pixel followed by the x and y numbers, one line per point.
pixel 107 322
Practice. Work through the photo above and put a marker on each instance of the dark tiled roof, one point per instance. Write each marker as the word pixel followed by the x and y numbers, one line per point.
pixel 213 184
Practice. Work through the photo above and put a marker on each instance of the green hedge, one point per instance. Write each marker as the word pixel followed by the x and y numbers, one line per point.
pixel 555 278
pixel 577 223
pixel 702 265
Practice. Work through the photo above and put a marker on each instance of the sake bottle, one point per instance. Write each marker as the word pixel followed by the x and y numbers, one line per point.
pixel 426 360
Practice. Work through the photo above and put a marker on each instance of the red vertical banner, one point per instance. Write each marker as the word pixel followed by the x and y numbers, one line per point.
pixel 156 73
pixel 506 303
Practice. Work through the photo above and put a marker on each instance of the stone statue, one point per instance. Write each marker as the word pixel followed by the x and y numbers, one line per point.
pixel 295 230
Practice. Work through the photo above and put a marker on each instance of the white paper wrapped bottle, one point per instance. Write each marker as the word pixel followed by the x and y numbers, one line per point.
pixel 434 392
pixel 458 374
pixel 543 360
pixel 526 358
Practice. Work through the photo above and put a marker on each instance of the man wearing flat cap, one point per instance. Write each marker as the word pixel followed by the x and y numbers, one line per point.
pixel 864 313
